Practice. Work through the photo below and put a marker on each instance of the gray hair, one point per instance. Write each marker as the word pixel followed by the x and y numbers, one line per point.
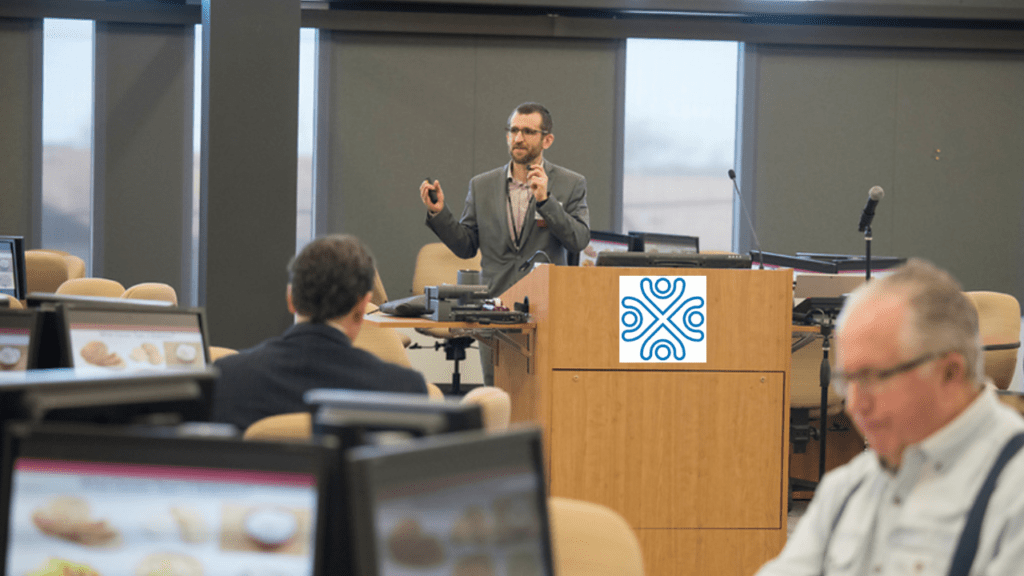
pixel 941 316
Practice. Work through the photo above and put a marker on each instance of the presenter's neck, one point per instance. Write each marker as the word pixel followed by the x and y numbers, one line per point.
pixel 519 171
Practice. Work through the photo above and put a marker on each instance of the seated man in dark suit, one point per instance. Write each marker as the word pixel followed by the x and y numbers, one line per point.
pixel 329 288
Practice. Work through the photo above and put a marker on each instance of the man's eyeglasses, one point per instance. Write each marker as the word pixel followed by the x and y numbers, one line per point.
pixel 514 131
pixel 874 380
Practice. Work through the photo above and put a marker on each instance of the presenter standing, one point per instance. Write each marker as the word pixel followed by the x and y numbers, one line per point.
pixel 514 211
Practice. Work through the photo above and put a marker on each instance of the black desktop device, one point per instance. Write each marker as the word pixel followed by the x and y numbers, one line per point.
pixel 356 416
pixel 114 335
pixel 464 503
pixel 599 242
pixel 145 501
pixel 12 267
pixel 658 242
pixel 672 260
pixel 19 339
pixel 68 394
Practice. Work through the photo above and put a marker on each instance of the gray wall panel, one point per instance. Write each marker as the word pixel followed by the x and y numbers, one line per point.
pixel 143 154
pixel 21 128
pixel 404 108
pixel 248 166
pixel 832 123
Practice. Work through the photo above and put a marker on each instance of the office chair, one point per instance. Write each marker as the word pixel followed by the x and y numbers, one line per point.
pixel 218 352
pixel 45 271
pixel 999 324
pixel 10 302
pixel 436 265
pixel 75 265
pixel 495 406
pixel 293 426
pixel 152 291
pixel 590 539
pixel 104 287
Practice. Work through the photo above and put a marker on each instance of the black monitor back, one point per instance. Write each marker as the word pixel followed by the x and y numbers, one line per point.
pixel 12 267
pixel 19 339
pixel 657 242
pixel 353 414
pixel 451 504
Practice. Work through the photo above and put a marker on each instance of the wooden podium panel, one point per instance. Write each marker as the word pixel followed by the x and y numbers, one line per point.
pixel 673 449
pixel 694 455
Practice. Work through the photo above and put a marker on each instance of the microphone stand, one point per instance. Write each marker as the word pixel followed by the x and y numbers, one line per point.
pixel 867 252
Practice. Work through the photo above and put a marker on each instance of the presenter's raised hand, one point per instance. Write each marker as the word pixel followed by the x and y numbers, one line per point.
pixel 537 178
pixel 432 195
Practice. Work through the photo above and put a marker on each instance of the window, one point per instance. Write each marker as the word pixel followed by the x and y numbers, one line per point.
pixel 67 136
pixel 680 136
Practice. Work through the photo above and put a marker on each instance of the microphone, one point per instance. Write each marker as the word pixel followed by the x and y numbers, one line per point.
pixel 750 223
pixel 528 263
pixel 874 195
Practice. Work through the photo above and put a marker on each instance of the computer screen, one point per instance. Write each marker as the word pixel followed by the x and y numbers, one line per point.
pixel 19 339
pixel 120 501
pixel 356 417
pixel 466 503
pixel 12 267
pixel 600 242
pixel 655 242
pixel 117 338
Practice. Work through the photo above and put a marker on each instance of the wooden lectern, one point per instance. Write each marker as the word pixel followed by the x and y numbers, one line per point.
pixel 693 455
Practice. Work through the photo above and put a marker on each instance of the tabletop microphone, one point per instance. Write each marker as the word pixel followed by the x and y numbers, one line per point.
pixel 528 263
pixel 750 223
pixel 874 195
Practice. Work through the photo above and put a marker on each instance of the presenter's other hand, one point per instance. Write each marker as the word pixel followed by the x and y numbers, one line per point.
pixel 437 203
pixel 537 178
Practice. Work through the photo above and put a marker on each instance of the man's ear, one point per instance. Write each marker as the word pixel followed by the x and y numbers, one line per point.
pixel 954 367
pixel 548 140
pixel 360 308
pixel 288 298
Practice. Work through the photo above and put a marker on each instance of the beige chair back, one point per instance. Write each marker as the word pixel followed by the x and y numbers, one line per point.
pixel 999 324
pixel 436 264
pixel 434 392
pixel 152 291
pixel 380 295
pixel 11 302
pixel 590 539
pixel 382 342
pixel 218 352
pixel 104 287
pixel 45 271
pixel 495 406
pixel 293 426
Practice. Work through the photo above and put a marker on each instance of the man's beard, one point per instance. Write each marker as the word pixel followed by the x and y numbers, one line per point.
pixel 527 160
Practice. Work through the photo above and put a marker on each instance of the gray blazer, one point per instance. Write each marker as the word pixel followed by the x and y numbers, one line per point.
pixel 484 225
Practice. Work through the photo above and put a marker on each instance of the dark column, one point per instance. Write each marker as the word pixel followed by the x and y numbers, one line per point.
pixel 248 165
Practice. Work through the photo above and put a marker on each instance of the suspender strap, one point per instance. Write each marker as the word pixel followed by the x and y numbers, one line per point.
pixel 967 547
pixel 835 522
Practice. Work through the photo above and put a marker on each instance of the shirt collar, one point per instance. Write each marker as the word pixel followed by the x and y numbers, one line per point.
pixel 948 445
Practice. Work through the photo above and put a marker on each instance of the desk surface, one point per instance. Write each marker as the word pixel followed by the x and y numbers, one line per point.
pixel 389 321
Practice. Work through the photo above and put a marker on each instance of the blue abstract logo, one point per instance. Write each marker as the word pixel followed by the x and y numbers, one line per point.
pixel 660 320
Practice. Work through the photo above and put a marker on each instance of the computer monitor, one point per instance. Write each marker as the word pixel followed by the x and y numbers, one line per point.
pixel 12 267
pixel 358 417
pixel 134 501
pixel 68 394
pixel 115 338
pixel 600 242
pixel 656 242
pixel 466 503
pixel 672 260
pixel 19 339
